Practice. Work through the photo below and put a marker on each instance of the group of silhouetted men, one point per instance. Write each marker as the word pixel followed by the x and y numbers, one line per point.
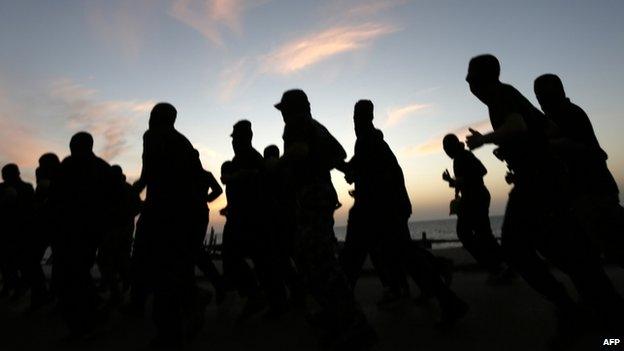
pixel 563 210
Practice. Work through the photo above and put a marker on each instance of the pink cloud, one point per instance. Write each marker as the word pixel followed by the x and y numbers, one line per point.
pixel 234 78
pixel 211 17
pixel 396 115
pixel 316 47
pixel 108 120
pixel 20 143
pixel 434 145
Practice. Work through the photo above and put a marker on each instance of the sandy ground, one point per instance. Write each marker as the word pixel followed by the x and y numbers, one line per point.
pixel 501 318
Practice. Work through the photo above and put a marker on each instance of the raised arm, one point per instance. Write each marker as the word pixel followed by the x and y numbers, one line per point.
pixel 215 188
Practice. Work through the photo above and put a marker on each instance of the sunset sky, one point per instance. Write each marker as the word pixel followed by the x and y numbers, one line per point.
pixel 100 66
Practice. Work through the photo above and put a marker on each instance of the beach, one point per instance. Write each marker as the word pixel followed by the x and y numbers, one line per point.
pixel 507 318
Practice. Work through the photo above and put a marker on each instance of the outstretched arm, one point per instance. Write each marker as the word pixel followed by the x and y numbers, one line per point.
pixel 513 125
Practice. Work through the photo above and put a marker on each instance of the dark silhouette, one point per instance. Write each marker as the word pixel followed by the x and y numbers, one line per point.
pixel 537 218
pixel 378 221
pixel 166 238
pixel 212 190
pixel 44 232
pixel 83 201
pixel 240 179
pixel 280 226
pixel 114 252
pixel 375 173
pixel 563 211
pixel 473 207
pixel 595 192
pixel 244 234
pixel 310 153
pixel 16 205
pixel 271 152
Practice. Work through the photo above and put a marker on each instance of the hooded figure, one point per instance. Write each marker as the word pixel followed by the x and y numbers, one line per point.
pixel 166 236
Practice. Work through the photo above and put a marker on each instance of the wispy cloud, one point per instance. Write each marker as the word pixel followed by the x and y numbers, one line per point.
pixel 122 27
pixel 212 17
pixel 235 77
pixel 397 115
pixel 20 143
pixel 374 7
pixel 434 145
pixel 311 49
pixel 110 120
pixel 350 30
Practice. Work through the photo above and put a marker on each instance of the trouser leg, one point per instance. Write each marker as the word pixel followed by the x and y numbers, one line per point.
pixel 570 249
pixel 33 273
pixel 521 224
pixel 354 251
pixel 315 256
pixel 77 294
pixel 237 271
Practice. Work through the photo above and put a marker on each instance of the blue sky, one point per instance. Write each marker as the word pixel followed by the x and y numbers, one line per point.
pixel 100 65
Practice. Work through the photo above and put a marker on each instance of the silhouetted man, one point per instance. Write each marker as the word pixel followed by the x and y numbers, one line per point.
pixel 310 153
pixel 82 199
pixel 279 220
pixel 114 253
pixel 378 220
pixel 473 219
pixel 16 206
pixel 244 232
pixel 537 218
pixel 166 236
pixel 271 152
pixel 45 230
pixel 595 192
pixel 374 170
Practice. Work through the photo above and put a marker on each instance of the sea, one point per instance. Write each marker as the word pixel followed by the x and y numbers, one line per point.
pixel 438 229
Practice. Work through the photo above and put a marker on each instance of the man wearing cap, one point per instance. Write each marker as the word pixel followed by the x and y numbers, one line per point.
pixel 310 153
pixel 537 218
pixel 244 233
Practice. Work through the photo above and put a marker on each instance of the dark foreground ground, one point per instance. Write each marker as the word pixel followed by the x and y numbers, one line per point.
pixel 501 318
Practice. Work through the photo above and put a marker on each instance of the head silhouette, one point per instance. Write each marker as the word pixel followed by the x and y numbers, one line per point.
pixel 549 92
pixel 294 106
pixel 227 168
pixel 241 136
pixel 117 173
pixel 49 164
pixel 163 116
pixel 81 145
pixel 271 152
pixel 363 116
pixel 483 76
pixel 49 160
pixel 452 146
pixel 10 173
